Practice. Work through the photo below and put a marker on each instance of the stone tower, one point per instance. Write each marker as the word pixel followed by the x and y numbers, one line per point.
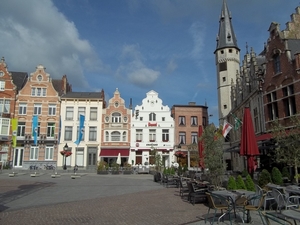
pixel 227 61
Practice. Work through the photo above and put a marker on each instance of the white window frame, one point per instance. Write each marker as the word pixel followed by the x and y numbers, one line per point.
pixel 4 126
pixel 182 138
pixel 37 109
pixel 115 136
pixel 50 129
pixel 194 137
pixel 152 135
pixel 49 151
pixel 93 113
pixel 181 120
pixel 68 133
pixel 165 135
pixel 21 129
pixel 69 113
pixel 81 111
pixel 34 152
pixel 139 135
pixel 52 110
pixel 92 133
pixel 2 85
pixel 116 117
pixel 22 109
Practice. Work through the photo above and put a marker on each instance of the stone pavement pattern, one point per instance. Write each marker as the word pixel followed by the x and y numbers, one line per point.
pixel 95 199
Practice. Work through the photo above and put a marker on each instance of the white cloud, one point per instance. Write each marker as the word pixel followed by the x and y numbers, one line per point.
pixel 134 69
pixel 172 66
pixel 35 32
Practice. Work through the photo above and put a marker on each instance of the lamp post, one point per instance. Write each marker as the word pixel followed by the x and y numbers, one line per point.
pixel 66 148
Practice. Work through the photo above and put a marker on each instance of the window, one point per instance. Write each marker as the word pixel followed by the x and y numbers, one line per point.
pixel 49 153
pixel 81 111
pixel 39 78
pixel 224 79
pixel 165 135
pixel 255 115
pixel 276 59
pixel 194 121
pixel 4 126
pixel 152 117
pixel 124 136
pixel 37 109
pixel 152 135
pixel 38 92
pixel 225 106
pixel 21 129
pixel 204 121
pixel 69 113
pixel 22 108
pixel 93 113
pixel 39 129
pixel 4 106
pixel 194 137
pixel 115 136
pixel 182 138
pixel 116 118
pixel 92 133
pixel 78 132
pixel 272 105
pixel 51 110
pixel 163 119
pixel 34 153
pixel 141 118
pixel 139 135
pixel 223 66
pixel 50 129
pixel 289 101
pixel 106 136
pixel 181 120
pixel 68 133
pixel 2 85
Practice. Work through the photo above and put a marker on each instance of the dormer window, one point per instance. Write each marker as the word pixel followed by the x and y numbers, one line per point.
pixel 39 78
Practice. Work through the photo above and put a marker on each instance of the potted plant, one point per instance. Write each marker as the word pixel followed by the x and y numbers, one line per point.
pixel 102 167
pixel 127 168
pixel 115 168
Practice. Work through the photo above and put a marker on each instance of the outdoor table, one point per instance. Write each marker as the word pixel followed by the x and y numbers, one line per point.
pixel 292 214
pixel 294 189
pixel 233 196
pixel 275 186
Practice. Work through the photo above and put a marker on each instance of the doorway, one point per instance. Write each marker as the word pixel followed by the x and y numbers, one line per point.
pixel 18 157
pixel 91 158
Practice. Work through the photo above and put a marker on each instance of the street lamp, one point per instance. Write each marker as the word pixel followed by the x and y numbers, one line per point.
pixel 66 148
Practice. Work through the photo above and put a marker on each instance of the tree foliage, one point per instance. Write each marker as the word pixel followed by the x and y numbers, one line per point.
pixel 264 178
pixel 213 154
pixel 231 185
pixel 287 149
pixel 249 183
pixel 240 184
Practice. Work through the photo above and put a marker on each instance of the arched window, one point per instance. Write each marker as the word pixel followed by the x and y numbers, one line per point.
pixel 106 136
pixel 115 136
pixel 116 118
pixel 124 136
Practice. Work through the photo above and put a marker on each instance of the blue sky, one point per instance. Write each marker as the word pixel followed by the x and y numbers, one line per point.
pixel 133 45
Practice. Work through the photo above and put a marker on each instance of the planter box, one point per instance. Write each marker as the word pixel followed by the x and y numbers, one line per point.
pixel 127 172
pixel 115 172
pixel 102 172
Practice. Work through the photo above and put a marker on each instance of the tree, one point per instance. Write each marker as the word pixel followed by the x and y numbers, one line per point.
pixel 231 185
pixel 287 149
pixel 213 154
pixel 264 178
pixel 157 160
pixel 249 183
pixel 240 184
pixel 276 176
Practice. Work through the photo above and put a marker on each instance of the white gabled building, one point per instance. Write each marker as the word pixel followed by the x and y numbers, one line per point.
pixel 152 127
pixel 86 153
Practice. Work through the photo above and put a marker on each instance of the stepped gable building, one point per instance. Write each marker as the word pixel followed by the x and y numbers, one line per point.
pixel 73 104
pixel 227 56
pixel 116 136
pixel 10 84
pixel 152 128
pixel 281 86
pixel 37 97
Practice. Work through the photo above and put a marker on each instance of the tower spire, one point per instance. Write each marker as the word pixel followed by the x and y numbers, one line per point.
pixel 226 36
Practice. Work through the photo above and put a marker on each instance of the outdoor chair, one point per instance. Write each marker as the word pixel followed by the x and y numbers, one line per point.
pixel 284 202
pixel 171 181
pixel 269 197
pixel 253 203
pixel 183 187
pixel 217 203
pixel 195 193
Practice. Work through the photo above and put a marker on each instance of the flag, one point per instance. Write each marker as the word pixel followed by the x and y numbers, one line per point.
pixel 35 128
pixel 59 131
pixel 14 127
pixel 81 129
pixel 237 122
pixel 226 128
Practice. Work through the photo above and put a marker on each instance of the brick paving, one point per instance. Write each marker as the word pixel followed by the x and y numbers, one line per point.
pixel 94 199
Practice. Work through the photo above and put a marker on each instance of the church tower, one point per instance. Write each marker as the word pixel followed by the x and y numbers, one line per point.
pixel 227 61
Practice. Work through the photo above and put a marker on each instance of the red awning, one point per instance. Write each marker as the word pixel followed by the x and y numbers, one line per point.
pixel 263 137
pixel 114 152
